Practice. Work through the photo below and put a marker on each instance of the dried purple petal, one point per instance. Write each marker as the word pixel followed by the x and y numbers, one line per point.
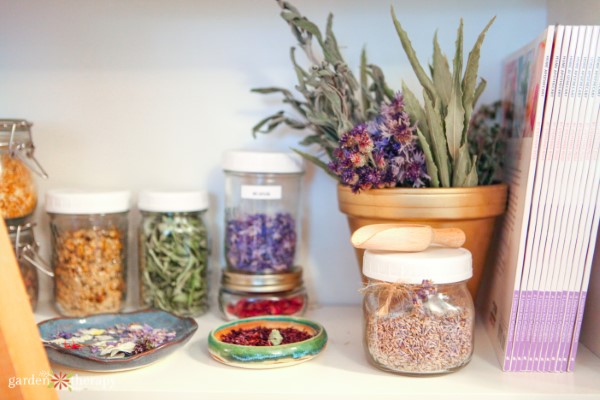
pixel 261 243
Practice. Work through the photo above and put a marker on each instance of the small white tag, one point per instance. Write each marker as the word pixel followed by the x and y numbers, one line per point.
pixel 258 192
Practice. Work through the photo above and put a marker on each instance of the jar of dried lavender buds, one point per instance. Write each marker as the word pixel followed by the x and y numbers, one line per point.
pixel 174 251
pixel 262 221
pixel 244 295
pixel 18 194
pixel 418 312
pixel 89 250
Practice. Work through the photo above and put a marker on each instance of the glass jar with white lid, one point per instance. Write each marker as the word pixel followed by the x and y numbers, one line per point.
pixel 419 315
pixel 174 251
pixel 262 210
pixel 89 231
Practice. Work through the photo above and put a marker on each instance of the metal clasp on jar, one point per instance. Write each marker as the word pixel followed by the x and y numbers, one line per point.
pixel 22 149
pixel 28 251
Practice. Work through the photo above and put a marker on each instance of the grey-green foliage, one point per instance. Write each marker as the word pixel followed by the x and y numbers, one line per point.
pixel 488 143
pixel 449 98
pixel 332 100
pixel 174 261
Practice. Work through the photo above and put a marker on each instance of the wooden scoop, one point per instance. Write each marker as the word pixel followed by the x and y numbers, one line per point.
pixel 405 237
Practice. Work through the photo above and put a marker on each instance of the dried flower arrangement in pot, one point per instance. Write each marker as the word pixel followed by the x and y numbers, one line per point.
pixel 395 160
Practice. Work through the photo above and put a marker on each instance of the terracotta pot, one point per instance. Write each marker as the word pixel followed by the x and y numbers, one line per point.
pixel 472 209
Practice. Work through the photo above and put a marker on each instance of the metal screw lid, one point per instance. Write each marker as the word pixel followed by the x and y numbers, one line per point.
pixel 262 283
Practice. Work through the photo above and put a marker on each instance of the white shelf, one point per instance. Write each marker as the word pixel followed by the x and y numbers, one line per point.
pixel 341 371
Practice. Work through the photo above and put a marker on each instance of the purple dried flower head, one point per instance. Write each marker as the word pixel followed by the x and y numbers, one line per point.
pixel 398 130
pixel 414 169
pixel 395 109
pixel 381 153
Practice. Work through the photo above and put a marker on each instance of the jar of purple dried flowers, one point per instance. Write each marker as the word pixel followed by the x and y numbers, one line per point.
pixel 262 207
pixel 419 314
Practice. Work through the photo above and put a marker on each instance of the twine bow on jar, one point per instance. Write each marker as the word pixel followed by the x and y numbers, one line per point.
pixel 389 293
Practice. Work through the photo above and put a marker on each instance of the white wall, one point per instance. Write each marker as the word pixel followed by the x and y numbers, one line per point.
pixel 578 12
pixel 148 94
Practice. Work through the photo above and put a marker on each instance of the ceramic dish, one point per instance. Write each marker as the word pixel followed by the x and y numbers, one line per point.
pixel 84 359
pixel 267 356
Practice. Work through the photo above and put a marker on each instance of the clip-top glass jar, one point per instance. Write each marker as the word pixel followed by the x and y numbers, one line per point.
pixel 174 251
pixel 89 250
pixel 18 195
pixel 419 314
pixel 245 295
pixel 262 221
pixel 25 248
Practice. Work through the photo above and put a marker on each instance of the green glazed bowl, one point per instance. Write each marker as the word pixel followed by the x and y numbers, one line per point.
pixel 267 356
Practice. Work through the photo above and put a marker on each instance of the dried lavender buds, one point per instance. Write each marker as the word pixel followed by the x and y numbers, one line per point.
pixel 420 342
pixel 261 243
pixel 89 270
pixel 418 329
pixel 17 190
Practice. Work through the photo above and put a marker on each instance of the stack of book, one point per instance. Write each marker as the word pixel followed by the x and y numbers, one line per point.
pixel 551 104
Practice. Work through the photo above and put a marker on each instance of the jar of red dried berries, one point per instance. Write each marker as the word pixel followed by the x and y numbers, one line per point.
pixel 245 295
pixel 89 250
pixel 418 312
pixel 18 195
pixel 262 211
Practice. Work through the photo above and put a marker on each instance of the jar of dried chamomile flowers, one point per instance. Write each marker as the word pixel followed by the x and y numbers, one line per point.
pixel 18 194
pixel 89 250
pixel 418 312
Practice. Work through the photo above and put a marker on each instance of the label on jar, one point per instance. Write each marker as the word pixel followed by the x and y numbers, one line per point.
pixel 260 192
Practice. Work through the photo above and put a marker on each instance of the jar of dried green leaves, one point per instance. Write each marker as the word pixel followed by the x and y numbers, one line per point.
pixel 174 251
pixel 418 312
pixel 89 250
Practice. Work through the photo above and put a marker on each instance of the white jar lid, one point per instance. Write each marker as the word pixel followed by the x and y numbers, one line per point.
pixel 437 264
pixel 262 162
pixel 173 201
pixel 72 201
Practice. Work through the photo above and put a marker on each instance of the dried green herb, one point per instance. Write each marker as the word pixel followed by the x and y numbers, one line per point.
pixel 174 261
pixel 488 143
pixel 449 98
pixel 332 100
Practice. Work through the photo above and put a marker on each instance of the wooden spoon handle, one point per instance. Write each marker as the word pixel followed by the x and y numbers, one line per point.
pixel 449 237
pixel 392 237
pixel 405 237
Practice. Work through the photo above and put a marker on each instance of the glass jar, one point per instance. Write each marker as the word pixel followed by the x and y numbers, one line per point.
pixel 245 295
pixel 25 248
pixel 419 315
pixel 18 195
pixel 262 215
pixel 174 251
pixel 89 250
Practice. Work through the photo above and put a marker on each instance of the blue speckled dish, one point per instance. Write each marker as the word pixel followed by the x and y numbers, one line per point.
pixel 86 361
pixel 267 356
